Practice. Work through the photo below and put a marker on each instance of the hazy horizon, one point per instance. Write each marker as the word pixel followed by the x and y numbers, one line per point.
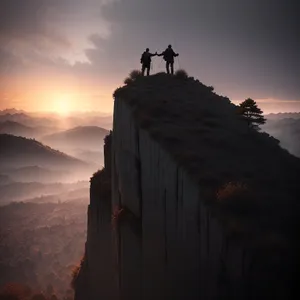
pixel 263 104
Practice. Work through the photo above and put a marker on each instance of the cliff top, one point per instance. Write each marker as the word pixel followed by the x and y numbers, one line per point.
pixel 204 134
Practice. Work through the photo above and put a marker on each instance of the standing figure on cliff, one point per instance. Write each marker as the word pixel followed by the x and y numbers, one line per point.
pixel 146 61
pixel 168 56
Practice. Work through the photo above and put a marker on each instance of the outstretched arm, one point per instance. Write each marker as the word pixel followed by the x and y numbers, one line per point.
pixel 151 54
pixel 174 54
pixel 161 54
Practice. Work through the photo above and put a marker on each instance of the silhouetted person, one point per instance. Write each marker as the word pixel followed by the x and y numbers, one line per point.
pixel 146 61
pixel 168 56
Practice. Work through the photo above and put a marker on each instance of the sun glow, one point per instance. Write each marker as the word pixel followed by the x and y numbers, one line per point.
pixel 63 104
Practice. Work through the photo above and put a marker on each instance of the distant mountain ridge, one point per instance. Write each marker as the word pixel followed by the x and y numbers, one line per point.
pixel 28 120
pixel 19 129
pixel 52 120
pixel 11 111
pixel 293 115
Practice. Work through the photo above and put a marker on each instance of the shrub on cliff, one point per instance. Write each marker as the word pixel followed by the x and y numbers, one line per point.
pixel 97 176
pixel 230 190
pixel 133 76
pixel 128 80
pixel 181 74
pixel 236 197
pixel 75 273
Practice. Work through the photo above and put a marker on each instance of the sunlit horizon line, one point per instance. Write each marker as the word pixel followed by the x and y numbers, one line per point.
pixel 55 112
pixel 268 100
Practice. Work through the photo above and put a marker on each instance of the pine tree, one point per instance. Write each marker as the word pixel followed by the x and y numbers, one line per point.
pixel 252 113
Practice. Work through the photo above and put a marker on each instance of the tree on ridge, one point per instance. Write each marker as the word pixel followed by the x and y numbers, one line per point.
pixel 252 113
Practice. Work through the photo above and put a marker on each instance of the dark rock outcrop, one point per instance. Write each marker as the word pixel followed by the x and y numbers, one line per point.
pixel 202 206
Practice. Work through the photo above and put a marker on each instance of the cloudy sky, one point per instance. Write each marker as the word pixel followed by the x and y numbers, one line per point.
pixel 64 55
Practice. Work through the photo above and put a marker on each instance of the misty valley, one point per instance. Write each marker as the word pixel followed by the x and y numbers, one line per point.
pixel 46 162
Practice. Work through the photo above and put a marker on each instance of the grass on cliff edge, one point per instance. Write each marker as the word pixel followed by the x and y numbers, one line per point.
pixel 204 134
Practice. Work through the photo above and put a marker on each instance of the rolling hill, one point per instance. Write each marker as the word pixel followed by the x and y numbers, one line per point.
pixel 96 157
pixel 82 137
pixel 18 129
pixel 17 152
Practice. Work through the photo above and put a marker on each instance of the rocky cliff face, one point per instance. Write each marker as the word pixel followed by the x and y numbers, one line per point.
pixel 95 279
pixel 202 207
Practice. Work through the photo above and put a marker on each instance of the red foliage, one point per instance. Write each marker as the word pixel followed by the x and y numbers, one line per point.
pixel 15 291
pixel 231 190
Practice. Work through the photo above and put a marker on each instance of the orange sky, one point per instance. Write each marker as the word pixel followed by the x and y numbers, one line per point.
pixel 65 94
pixel 57 94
